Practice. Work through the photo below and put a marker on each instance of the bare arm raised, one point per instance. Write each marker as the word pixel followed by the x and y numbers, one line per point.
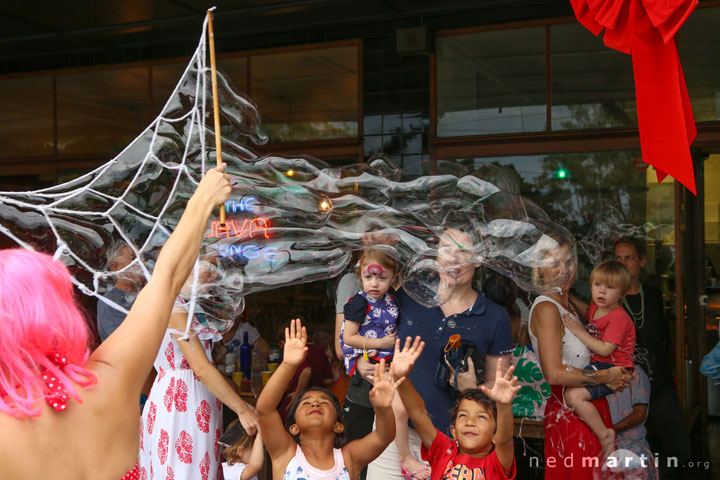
pixel 131 349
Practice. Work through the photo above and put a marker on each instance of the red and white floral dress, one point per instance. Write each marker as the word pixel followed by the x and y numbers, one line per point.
pixel 181 421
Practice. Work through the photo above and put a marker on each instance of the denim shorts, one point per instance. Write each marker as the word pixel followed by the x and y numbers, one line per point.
pixel 601 390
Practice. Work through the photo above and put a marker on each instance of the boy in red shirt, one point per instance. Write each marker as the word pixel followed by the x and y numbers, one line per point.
pixel 611 337
pixel 482 424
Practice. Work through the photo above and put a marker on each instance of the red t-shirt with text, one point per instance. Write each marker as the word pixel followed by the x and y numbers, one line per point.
pixel 614 327
pixel 448 463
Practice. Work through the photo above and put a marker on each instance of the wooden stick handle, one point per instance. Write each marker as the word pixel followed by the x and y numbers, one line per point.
pixel 216 107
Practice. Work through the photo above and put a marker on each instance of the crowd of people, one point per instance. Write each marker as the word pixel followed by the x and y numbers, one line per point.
pixel 400 390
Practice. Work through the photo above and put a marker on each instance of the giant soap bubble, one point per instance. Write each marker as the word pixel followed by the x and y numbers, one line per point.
pixel 289 220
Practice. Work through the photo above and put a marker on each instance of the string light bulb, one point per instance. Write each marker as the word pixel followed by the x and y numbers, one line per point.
pixel 325 205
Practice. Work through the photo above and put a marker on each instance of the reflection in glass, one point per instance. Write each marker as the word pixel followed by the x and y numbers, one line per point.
pixel 102 111
pixel 598 196
pixel 26 117
pixel 593 85
pixel 307 95
pixel 164 80
pixel 491 82
pixel 697 43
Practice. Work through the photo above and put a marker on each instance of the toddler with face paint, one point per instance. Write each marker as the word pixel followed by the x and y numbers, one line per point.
pixel 371 315
pixel 371 318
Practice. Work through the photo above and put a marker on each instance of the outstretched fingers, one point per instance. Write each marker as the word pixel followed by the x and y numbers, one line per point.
pixel 413 346
pixel 379 374
pixel 509 374
pixel 296 330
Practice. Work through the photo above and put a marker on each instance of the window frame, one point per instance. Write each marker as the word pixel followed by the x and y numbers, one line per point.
pixel 548 141
pixel 50 165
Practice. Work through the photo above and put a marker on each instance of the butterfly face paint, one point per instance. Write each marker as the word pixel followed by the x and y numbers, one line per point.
pixel 374 269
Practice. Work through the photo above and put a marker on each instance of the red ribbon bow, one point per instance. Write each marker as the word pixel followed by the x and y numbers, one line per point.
pixel 646 29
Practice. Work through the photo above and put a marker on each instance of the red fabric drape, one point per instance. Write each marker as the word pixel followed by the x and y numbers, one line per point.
pixel 646 29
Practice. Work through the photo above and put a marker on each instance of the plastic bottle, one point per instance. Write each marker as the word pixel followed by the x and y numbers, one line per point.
pixel 246 357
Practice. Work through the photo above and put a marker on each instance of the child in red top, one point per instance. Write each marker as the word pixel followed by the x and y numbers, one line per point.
pixel 482 424
pixel 611 338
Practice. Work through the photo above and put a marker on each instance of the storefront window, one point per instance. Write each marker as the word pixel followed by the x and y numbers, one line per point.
pixel 26 110
pixel 494 82
pixel 600 196
pixel 164 80
pixel 592 85
pixel 101 112
pixel 308 94
pixel 697 43
pixel 491 82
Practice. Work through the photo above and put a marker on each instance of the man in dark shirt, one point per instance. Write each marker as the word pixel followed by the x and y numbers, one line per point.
pixel 644 303
pixel 122 293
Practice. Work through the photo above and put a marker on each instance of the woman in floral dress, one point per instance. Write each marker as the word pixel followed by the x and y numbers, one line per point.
pixel 182 419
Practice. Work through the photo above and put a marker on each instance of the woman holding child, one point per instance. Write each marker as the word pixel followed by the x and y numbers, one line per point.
pixel 568 440
pixel 467 313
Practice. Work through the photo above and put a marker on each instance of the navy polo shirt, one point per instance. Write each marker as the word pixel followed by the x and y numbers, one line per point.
pixel 485 323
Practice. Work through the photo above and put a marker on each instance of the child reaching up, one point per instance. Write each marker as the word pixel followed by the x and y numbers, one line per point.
pixel 245 459
pixel 612 340
pixel 311 445
pixel 482 424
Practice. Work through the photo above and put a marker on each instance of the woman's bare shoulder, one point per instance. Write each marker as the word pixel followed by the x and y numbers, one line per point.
pixel 545 315
pixel 545 309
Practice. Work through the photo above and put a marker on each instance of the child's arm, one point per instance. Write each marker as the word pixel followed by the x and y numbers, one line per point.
pixel 277 440
pixel 352 339
pixel 502 393
pixel 403 361
pixel 368 448
pixel 257 459
pixel 637 417
pixel 598 346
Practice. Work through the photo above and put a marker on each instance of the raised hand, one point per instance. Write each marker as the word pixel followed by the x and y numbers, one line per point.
pixel 294 351
pixel 404 359
pixel 215 186
pixel 505 386
pixel 249 421
pixel 383 391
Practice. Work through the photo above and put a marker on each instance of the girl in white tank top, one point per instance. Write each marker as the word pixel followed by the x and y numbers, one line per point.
pixel 314 424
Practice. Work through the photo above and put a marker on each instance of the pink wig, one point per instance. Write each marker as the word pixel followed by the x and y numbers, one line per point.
pixel 38 317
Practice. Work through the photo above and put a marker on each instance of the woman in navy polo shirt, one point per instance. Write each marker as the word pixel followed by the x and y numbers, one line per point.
pixel 467 313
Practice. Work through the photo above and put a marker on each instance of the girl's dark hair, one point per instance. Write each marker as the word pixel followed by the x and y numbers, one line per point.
pixel 290 420
pixel 476 395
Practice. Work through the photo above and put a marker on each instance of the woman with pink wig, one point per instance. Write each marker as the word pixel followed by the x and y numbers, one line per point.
pixel 68 413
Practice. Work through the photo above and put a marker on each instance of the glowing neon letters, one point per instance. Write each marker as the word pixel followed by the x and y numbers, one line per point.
pixel 243 229
pixel 250 252
pixel 249 228
pixel 245 204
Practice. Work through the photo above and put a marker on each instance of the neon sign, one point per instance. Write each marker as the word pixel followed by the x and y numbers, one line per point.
pixel 245 204
pixel 243 229
pixel 250 252
pixel 249 228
